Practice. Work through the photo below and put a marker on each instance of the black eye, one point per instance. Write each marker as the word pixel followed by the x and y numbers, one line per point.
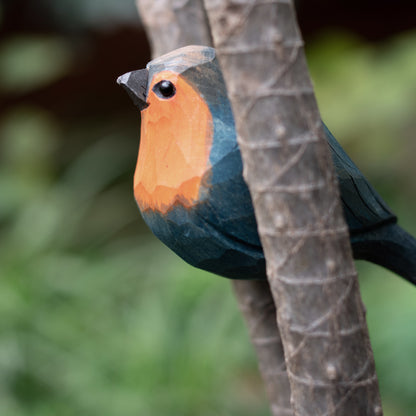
pixel 164 89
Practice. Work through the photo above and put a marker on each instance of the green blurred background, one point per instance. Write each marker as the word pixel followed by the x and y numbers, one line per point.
pixel 96 316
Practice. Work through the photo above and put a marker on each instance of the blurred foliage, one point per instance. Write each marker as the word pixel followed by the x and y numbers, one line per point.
pixel 22 62
pixel 367 96
pixel 97 317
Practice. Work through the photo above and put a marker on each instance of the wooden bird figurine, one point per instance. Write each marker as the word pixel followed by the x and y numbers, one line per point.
pixel 189 186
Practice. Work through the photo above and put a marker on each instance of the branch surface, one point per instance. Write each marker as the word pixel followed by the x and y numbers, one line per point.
pixel 257 306
pixel 288 168
pixel 170 25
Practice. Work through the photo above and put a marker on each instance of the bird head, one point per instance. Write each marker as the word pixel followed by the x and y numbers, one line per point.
pixel 178 95
pixel 193 62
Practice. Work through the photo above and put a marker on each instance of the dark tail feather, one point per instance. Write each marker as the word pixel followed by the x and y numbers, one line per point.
pixel 389 246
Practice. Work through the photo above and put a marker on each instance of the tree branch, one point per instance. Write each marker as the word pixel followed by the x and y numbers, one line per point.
pixel 288 168
pixel 171 24
pixel 258 308
pixel 164 20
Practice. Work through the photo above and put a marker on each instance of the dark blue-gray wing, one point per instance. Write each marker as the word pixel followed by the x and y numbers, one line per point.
pixel 363 207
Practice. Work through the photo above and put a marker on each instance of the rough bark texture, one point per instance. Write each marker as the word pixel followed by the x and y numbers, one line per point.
pixel 163 22
pixel 171 24
pixel 257 305
pixel 288 168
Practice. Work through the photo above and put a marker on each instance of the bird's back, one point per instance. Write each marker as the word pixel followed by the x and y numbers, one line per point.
pixel 363 208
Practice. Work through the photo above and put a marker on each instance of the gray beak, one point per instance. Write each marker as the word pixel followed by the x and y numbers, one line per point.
pixel 135 83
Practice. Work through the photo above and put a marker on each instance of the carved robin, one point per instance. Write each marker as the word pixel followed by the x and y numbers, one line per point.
pixel 189 186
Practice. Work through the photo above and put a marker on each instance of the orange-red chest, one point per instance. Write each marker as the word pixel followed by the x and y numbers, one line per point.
pixel 176 139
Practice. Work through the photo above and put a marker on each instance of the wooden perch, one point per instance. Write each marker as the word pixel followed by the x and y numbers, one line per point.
pixel 171 24
pixel 164 21
pixel 288 168
pixel 258 308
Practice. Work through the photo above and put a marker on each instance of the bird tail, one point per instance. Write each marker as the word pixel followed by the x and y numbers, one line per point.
pixel 389 246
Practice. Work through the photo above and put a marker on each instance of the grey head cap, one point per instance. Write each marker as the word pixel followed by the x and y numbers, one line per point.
pixel 181 59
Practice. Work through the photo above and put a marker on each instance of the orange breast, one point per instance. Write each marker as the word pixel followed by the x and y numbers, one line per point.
pixel 176 138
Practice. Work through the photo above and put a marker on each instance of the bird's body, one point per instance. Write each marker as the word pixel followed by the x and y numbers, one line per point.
pixel 189 184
